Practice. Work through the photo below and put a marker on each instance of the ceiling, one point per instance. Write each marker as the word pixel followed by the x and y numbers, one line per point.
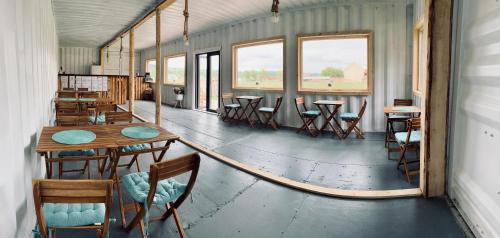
pixel 95 22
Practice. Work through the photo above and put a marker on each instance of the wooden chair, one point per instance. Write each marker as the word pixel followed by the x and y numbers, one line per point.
pixel 409 140
pixel 99 116
pixel 66 107
pixel 352 120
pixel 269 113
pixel 307 116
pixel 78 157
pixel 87 94
pixel 67 94
pixel 395 118
pixel 72 119
pixel 228 108
pixel 160 176
pixel 63 195
pixel 118 117
pixel 83 89
pixel 68 89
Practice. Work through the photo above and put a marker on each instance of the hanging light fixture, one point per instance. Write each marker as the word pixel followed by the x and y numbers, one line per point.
pixel 276 11
pixel 186 17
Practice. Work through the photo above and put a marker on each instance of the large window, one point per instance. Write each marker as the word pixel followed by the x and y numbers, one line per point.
pixel 175 70
pixel 151 68
pixel 419 58
pixel 259 64
pixel 339 63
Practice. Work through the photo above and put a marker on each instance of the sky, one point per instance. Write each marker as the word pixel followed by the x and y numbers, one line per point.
pixel 338 53
pixel 269 57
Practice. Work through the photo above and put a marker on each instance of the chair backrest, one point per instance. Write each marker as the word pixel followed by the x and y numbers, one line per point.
pixel 89 95
pixel 278 104
pixel 413 125
pixel 103 108
pixel 68 89
pixel 226 96
pixel 72 119
pixel 118 117
pixel 362 111
pixel 403 102
pixel 83 89
pixel 71 191
pixel 66 94
pixel 66 107
pixel 300 101
pixel 172 168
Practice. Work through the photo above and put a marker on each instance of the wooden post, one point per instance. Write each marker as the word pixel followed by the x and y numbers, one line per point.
pixel 437 96
pixel 158 67
pixel 131 72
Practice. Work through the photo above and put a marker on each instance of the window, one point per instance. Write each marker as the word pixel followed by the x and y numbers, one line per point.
pixel 151 68
pixel 175 70
pixel 339 63
pixel 259 64
pixel 419 58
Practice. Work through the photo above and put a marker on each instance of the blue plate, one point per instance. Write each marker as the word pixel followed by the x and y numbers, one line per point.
pixel 74 137
pixel 140 132
pixel 67 99
pixel 87 99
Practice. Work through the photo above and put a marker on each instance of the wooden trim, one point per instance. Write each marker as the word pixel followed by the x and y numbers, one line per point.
pixel 243 44
pixel 336 35
pixel 305 187
pixel 437 96
pixel 165 69
pixel 419 27
pixel 131 72
pixel 157 91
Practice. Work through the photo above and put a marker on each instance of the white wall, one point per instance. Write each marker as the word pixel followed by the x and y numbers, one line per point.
pixel 28 72
pixel 474 177
pixel 388 21
pixel 77 60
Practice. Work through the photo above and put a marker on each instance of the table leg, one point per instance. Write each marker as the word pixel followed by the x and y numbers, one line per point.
pixel 253 107
pixel 338 131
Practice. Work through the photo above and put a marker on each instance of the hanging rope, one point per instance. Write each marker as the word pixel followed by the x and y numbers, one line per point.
pixel 275 10
pixel 186 18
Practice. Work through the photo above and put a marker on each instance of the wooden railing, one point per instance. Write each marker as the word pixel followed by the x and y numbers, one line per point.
pixel 117 86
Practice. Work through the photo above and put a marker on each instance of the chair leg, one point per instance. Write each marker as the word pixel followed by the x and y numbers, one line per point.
pixel 120 202
pixel 60 169
pixel 178 223
pixel 141 223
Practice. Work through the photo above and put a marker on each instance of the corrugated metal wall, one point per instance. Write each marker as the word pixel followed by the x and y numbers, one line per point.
pixel 474 180
pixel 388 21
pixel 77 60
pixel 28 73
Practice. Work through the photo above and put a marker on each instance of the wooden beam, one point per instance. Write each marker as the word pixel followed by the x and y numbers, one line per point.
pixel 437 96
pixel 131 72
pixel 101 59
pixel 158 68
pixel 305 187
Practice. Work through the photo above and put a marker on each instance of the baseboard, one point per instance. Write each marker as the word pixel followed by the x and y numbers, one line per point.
pixel 478 211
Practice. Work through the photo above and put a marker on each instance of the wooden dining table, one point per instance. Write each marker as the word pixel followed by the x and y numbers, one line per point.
pixel 252 102
pixel 329 115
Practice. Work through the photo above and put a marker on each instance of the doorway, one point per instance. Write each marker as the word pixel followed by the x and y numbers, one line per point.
pixel 208 81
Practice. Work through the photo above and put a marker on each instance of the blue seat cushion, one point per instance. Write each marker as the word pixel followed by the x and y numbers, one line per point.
pixel 348 116
pixel 73 214
pixel 132 148
pixel 137 185
pixel 414 137
pixel 311 113
pixel 234 105
pixel 398 117
pixel 101 119
pixel 77 153
pixel 266 109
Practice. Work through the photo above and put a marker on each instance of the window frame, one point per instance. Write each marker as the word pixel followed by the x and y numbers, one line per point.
pixel 336 35
pixel 146 68
pixel 165 69
pixel 419 28
pixel 257 42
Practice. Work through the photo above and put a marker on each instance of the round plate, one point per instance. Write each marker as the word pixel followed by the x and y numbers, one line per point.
pixel 87 99
pixel 74 137
pixel 67 99
pixel 140 132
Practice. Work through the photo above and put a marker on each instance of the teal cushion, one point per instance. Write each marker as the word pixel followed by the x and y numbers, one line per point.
pixel 414 137
pixel 348 116
pixel 101 119
pixel 77 153
pixel 398 117
pixel 132 148
pixel 137 184
pixel 234 105
pixel 266 109
pixel 311 113
pixel 73 214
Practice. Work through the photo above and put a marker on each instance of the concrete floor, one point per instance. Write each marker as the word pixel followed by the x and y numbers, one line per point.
pixel 228 203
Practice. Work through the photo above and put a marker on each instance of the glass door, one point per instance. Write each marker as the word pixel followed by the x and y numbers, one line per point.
pixel 208 81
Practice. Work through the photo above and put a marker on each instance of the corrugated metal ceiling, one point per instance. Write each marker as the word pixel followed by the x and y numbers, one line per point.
pixel 94 22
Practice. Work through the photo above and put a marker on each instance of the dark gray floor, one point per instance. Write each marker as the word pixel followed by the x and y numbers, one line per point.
pixel 230 203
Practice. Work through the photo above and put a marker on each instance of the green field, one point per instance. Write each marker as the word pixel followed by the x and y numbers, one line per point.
pixel 356 85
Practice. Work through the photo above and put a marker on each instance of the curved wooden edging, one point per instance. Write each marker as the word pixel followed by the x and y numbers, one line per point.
pixel 305 187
